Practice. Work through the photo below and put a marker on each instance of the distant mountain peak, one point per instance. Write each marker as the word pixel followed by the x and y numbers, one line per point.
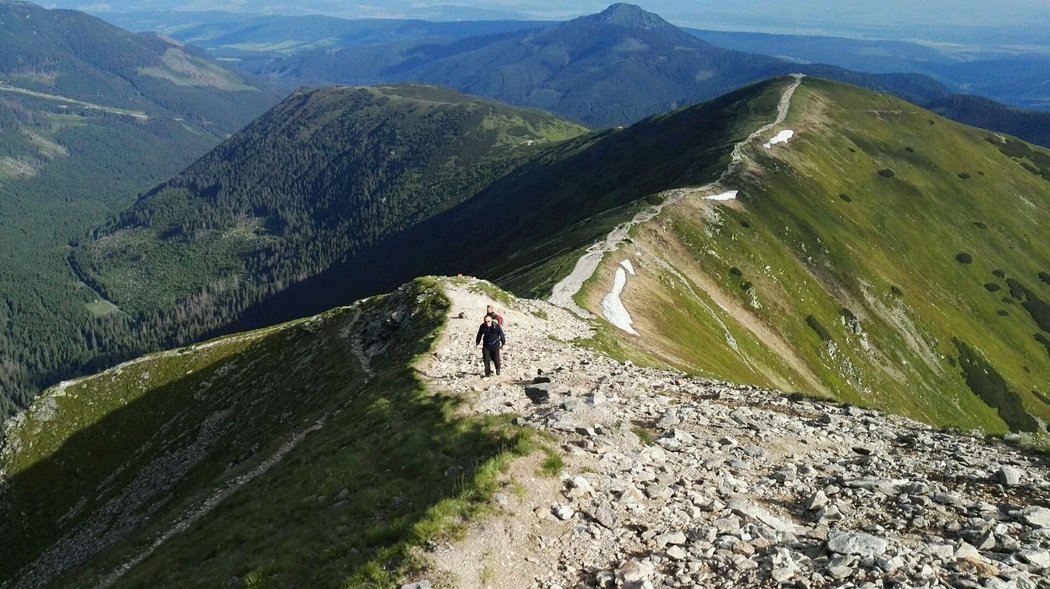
pixel 631 16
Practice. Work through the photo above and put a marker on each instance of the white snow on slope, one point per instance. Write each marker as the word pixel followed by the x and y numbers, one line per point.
pixel 612 307
pixel 728 195
pixel 781 137
pixel 628 266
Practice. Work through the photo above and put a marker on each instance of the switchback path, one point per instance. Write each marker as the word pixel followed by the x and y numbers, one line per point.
pixel 563 292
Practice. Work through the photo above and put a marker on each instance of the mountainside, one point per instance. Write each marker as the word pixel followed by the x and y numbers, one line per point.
pixel 1029 125
pixel 361 448
pixel 465 190
pixel 322 176
pixel 607 69
pixel 807 282
pixel 874 253
pixel 89 116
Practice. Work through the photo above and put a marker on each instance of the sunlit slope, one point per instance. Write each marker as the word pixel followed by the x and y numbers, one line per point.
pixel 264 454
pixel 883 255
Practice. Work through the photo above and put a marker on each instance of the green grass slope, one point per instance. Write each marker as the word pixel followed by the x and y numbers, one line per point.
pixel 526 229
pixel 297 437
pixel 883 256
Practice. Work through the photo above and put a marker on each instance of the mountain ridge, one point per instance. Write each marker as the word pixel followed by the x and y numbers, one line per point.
pixel 631 445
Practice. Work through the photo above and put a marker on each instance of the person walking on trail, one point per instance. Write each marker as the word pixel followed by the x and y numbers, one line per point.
pixel 490 339
pixel 490 311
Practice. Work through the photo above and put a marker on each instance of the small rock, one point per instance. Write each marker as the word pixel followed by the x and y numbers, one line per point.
pixel 670 538
pixel 540 393
pixel 417 585
pixel 817 501
pixel 677 553
pixel 563 512
pixel 1038 558
pixel 1038 517
pixel 859 543
pixel 605 516
pixel 1008 476
pixel 633 573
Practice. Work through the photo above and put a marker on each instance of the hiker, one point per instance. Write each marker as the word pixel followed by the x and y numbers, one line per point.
pixel 490 339
pixel 490 311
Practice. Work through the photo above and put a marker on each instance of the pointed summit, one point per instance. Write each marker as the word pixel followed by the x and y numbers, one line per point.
pixel 630 16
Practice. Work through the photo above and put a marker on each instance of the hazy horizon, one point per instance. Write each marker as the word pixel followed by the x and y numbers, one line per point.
pixel 1010 22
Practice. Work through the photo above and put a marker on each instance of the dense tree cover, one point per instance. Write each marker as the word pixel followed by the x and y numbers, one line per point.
pixel 89 116
pixel 322 176
pixel 1029 125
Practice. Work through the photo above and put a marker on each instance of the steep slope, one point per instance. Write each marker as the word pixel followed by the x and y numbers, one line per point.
pixel 1033 126
pixel 307 454
pixel 396 462
pixel 89 116
pixel 523 218
pixel 575 69
pixel 607 69
pixel 322 176
pixel 879 255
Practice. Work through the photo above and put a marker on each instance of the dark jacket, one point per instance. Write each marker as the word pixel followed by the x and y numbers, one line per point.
pixel 492 334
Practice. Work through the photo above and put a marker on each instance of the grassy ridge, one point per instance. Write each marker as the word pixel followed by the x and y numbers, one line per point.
pixel 392 468
pixel 846 245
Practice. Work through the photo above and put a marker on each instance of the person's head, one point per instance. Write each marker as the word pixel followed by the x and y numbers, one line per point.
pixel 490 309
pixel 488 320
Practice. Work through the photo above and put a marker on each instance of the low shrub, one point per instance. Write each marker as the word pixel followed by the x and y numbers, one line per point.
pixel 980 225
pixel 963 258
pixel 992 287
pixel 999 273
pixel 845 197
pixel 886 173
pixel 964 175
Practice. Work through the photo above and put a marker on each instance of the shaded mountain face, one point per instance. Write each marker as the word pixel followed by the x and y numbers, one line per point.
pixel 324 175
pixel 607 69
pixel 89 116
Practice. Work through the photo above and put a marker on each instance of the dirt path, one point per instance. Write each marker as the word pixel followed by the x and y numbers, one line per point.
pixel 563 292
pixel 110 109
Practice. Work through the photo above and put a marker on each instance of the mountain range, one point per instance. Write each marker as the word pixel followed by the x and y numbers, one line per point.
pixel 838 221
pixel 516 61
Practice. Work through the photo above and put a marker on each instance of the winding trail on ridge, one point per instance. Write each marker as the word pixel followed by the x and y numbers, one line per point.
pixel 563 292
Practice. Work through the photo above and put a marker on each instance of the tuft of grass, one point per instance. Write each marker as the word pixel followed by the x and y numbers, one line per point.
pixel 644 435
pixel 553 464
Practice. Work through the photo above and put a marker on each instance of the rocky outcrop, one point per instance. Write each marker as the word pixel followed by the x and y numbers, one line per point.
pixel 673 481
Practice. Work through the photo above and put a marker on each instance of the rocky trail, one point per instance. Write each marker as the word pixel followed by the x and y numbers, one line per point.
pixel 671 481
pixel 563 292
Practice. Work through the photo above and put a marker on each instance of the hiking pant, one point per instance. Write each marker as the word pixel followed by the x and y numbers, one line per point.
pixel 491 355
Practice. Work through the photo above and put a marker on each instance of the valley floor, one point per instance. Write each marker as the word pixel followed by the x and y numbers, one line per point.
pixel 676 482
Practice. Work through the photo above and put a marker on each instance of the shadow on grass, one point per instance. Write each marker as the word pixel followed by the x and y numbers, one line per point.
pixel 392 468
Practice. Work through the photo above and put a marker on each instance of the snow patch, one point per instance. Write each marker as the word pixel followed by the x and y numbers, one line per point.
pixel 612 307
pixel 728 195
pixel 628 266
pixel 781 137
